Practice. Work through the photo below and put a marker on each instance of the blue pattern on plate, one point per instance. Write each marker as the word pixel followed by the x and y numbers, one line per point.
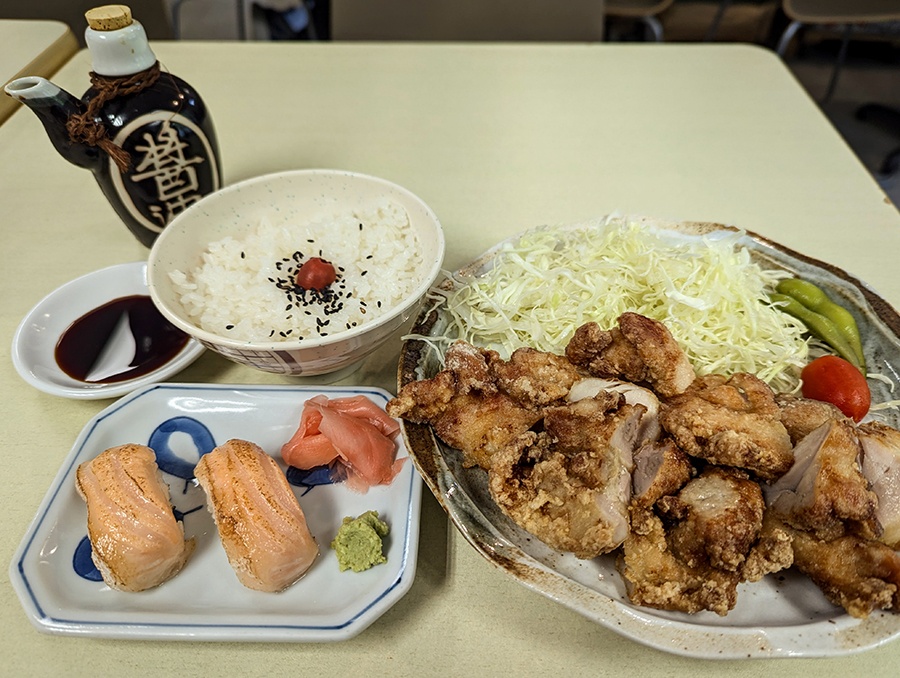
pixel 310 478
pixel 170 462
pixel 258 620
pixel 173 464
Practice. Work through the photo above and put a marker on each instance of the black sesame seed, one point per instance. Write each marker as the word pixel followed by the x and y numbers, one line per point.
pixel 243 255
pixel 370 256
pixel 378 304
pixel 360 227
pixel 364 272
pixel 229 327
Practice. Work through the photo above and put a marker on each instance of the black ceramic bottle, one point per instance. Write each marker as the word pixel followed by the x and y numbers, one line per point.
pixel 145 134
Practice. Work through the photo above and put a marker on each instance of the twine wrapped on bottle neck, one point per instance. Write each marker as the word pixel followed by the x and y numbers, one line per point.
pixel 84 128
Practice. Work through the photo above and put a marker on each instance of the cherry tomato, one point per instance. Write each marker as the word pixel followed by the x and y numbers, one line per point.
pixel 315 274
pixel 836 381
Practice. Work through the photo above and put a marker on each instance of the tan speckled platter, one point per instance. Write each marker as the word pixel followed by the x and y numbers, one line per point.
pixel 784 615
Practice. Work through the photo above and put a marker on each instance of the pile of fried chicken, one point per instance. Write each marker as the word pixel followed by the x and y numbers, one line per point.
pixel 700 483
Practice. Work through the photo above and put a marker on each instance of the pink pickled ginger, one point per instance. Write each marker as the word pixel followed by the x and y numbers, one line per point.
pixel 353 433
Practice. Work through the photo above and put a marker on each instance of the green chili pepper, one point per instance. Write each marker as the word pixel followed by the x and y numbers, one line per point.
pixel 818 301
pixel 818 325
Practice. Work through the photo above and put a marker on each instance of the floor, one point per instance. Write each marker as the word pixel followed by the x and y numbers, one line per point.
pixel 871 74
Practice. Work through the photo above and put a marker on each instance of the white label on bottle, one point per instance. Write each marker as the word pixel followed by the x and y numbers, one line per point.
pixel 164 166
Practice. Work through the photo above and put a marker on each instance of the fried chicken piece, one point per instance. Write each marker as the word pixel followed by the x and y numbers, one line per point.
pixel 660 468
pixel 730 421
pixel 465 370
pixel 639 349
pixel 655 577
pixel 466 407
pixel 859 575
pixel 881 468
pixel 801 416
pixel 716 518
pixel 705 541
pixel 825 491
pixel 634 395
pixel 479 426
pixel 569 485
pixel 534 377
pixel 772 552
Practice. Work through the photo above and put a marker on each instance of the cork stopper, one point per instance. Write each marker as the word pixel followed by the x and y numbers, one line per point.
pixel 109 17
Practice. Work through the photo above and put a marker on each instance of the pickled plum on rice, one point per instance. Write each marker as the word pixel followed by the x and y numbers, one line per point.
pixel 352 433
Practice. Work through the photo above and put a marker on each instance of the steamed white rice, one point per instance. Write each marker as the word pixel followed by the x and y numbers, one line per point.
pixel 240 289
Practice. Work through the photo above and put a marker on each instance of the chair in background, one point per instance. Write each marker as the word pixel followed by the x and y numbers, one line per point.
pixel 245 15
pixel 644 11
pixel 299 10
pixel 717 20
pixel 468 20
pixel 175 18
pixel 850 17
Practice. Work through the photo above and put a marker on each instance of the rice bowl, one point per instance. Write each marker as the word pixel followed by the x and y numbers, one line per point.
pixel 225 269
pixel 245 287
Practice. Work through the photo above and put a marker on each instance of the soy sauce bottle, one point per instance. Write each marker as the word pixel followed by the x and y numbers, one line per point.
pixel 145 134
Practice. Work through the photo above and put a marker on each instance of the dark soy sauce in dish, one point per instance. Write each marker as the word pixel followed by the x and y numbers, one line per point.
pixel 156 340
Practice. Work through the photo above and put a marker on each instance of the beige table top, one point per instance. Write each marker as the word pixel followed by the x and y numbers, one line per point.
pixel 31 48
pixel 496 139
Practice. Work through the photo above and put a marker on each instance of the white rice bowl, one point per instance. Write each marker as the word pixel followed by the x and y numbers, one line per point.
pixel 224 269
pixel 244 288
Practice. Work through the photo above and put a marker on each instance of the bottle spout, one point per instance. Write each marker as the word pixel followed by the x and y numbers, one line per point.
pixel 54 107
pixel 31 88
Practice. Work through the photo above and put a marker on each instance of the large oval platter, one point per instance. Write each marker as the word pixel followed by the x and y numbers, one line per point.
pixel 782 615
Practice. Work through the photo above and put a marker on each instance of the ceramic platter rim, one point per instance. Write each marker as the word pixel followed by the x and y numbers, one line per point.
pixel 32 353
pixel 810 627
pixel 205 601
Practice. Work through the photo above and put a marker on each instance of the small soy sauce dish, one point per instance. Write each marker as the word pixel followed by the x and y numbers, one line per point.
pixel 100 336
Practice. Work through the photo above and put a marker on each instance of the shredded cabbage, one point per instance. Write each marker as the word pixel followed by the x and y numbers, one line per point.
pixel 706 289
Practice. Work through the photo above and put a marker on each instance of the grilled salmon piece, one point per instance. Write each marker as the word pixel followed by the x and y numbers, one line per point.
pixel 259 519
pixel 136 542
